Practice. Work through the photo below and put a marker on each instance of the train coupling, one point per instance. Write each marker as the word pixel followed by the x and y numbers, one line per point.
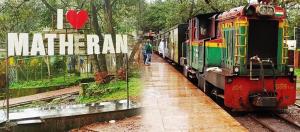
pixel 264 99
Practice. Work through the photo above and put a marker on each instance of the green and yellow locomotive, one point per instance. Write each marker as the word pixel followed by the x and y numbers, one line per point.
pixel 241 55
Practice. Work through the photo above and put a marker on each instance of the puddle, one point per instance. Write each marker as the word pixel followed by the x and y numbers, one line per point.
pixel 67 110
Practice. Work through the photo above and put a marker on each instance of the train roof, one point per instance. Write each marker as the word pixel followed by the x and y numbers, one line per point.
pixel 206 14
pixel 240 11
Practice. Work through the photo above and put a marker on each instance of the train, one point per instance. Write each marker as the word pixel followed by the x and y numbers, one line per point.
pixel 240 55
pixel 173 42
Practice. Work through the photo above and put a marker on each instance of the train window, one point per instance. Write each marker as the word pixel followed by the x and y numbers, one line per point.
pixel 197 29
pixel 203 31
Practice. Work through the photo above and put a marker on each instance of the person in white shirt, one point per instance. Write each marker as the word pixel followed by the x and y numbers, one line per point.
pixel 161 49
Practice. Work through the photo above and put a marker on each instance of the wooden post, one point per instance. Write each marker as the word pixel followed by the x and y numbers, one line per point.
pixel 296 59
pixel 83 87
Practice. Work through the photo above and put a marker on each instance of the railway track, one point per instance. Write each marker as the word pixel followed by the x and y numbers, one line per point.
pixel 298 105
pixel 42 99
pixel 276 123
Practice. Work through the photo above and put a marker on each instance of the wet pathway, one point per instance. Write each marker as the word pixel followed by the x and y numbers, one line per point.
pixel 40 96
pixel 172 103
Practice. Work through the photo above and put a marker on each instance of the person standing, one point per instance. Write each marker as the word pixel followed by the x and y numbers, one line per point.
pixel 162 48
pixel 144 52
pixel 148 48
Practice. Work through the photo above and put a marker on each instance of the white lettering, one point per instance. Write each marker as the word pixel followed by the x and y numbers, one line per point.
pixel 37 45
pixel 50 38
pixel 78 44
pixel 121 44
pixel 93 44
pixel 108 44
pixel 63 44
pixel 60 18
pixel 17 44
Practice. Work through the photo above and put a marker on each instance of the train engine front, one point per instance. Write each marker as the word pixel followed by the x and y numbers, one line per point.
pixel 251 58
pixel 258 58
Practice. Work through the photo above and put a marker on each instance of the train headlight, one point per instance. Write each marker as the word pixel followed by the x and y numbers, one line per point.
pixel 263 10
pixel 291 69
pixel 271 11
pixel 236 69
pixel 266 10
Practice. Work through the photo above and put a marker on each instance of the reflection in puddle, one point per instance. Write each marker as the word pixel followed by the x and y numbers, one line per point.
pixel 67 110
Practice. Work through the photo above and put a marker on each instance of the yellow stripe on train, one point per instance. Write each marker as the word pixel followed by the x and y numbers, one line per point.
pixel 215 45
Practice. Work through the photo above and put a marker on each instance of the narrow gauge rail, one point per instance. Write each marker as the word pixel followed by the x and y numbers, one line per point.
pixel 276 122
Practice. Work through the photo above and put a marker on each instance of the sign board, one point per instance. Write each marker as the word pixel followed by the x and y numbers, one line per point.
pixel 291 44
pixel 19 44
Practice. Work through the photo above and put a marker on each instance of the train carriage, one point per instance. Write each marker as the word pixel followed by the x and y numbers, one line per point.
pixel 174 39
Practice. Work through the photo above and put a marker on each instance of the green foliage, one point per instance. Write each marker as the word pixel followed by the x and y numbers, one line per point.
pixel 293 12
pixel 115 90
pixel 58 65
pixel 125 15
pixel 297 72
pixel 57 81
pixel 163 15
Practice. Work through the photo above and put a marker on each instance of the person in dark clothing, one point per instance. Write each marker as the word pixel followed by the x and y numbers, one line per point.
pixel 148 49
pixel 144 52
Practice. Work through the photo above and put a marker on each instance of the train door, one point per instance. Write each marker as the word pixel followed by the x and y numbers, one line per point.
pixel 229 35
pixel 172 45
pixel 195 45
pixel 176 45
pixel 166 45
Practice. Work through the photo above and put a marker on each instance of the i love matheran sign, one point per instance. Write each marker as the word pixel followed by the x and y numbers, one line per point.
pixel 18 43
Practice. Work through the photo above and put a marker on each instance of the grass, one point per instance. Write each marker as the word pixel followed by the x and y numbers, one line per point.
pixel 44 83
pixel 115 90
pixel 297 72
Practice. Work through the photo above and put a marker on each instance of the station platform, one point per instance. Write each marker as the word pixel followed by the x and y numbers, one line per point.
pixel 173 103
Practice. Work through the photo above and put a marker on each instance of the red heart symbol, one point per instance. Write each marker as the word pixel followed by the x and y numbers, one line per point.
pixel 77 19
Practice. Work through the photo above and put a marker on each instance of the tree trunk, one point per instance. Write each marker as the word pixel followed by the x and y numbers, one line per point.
pixel 100 65
pixel 47 61
pixel 134 51
pixel 111 30
pixel 192 8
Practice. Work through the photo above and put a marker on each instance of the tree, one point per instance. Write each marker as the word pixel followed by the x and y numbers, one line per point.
pixel 110 26
pixel 165 14
pixel 101 64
